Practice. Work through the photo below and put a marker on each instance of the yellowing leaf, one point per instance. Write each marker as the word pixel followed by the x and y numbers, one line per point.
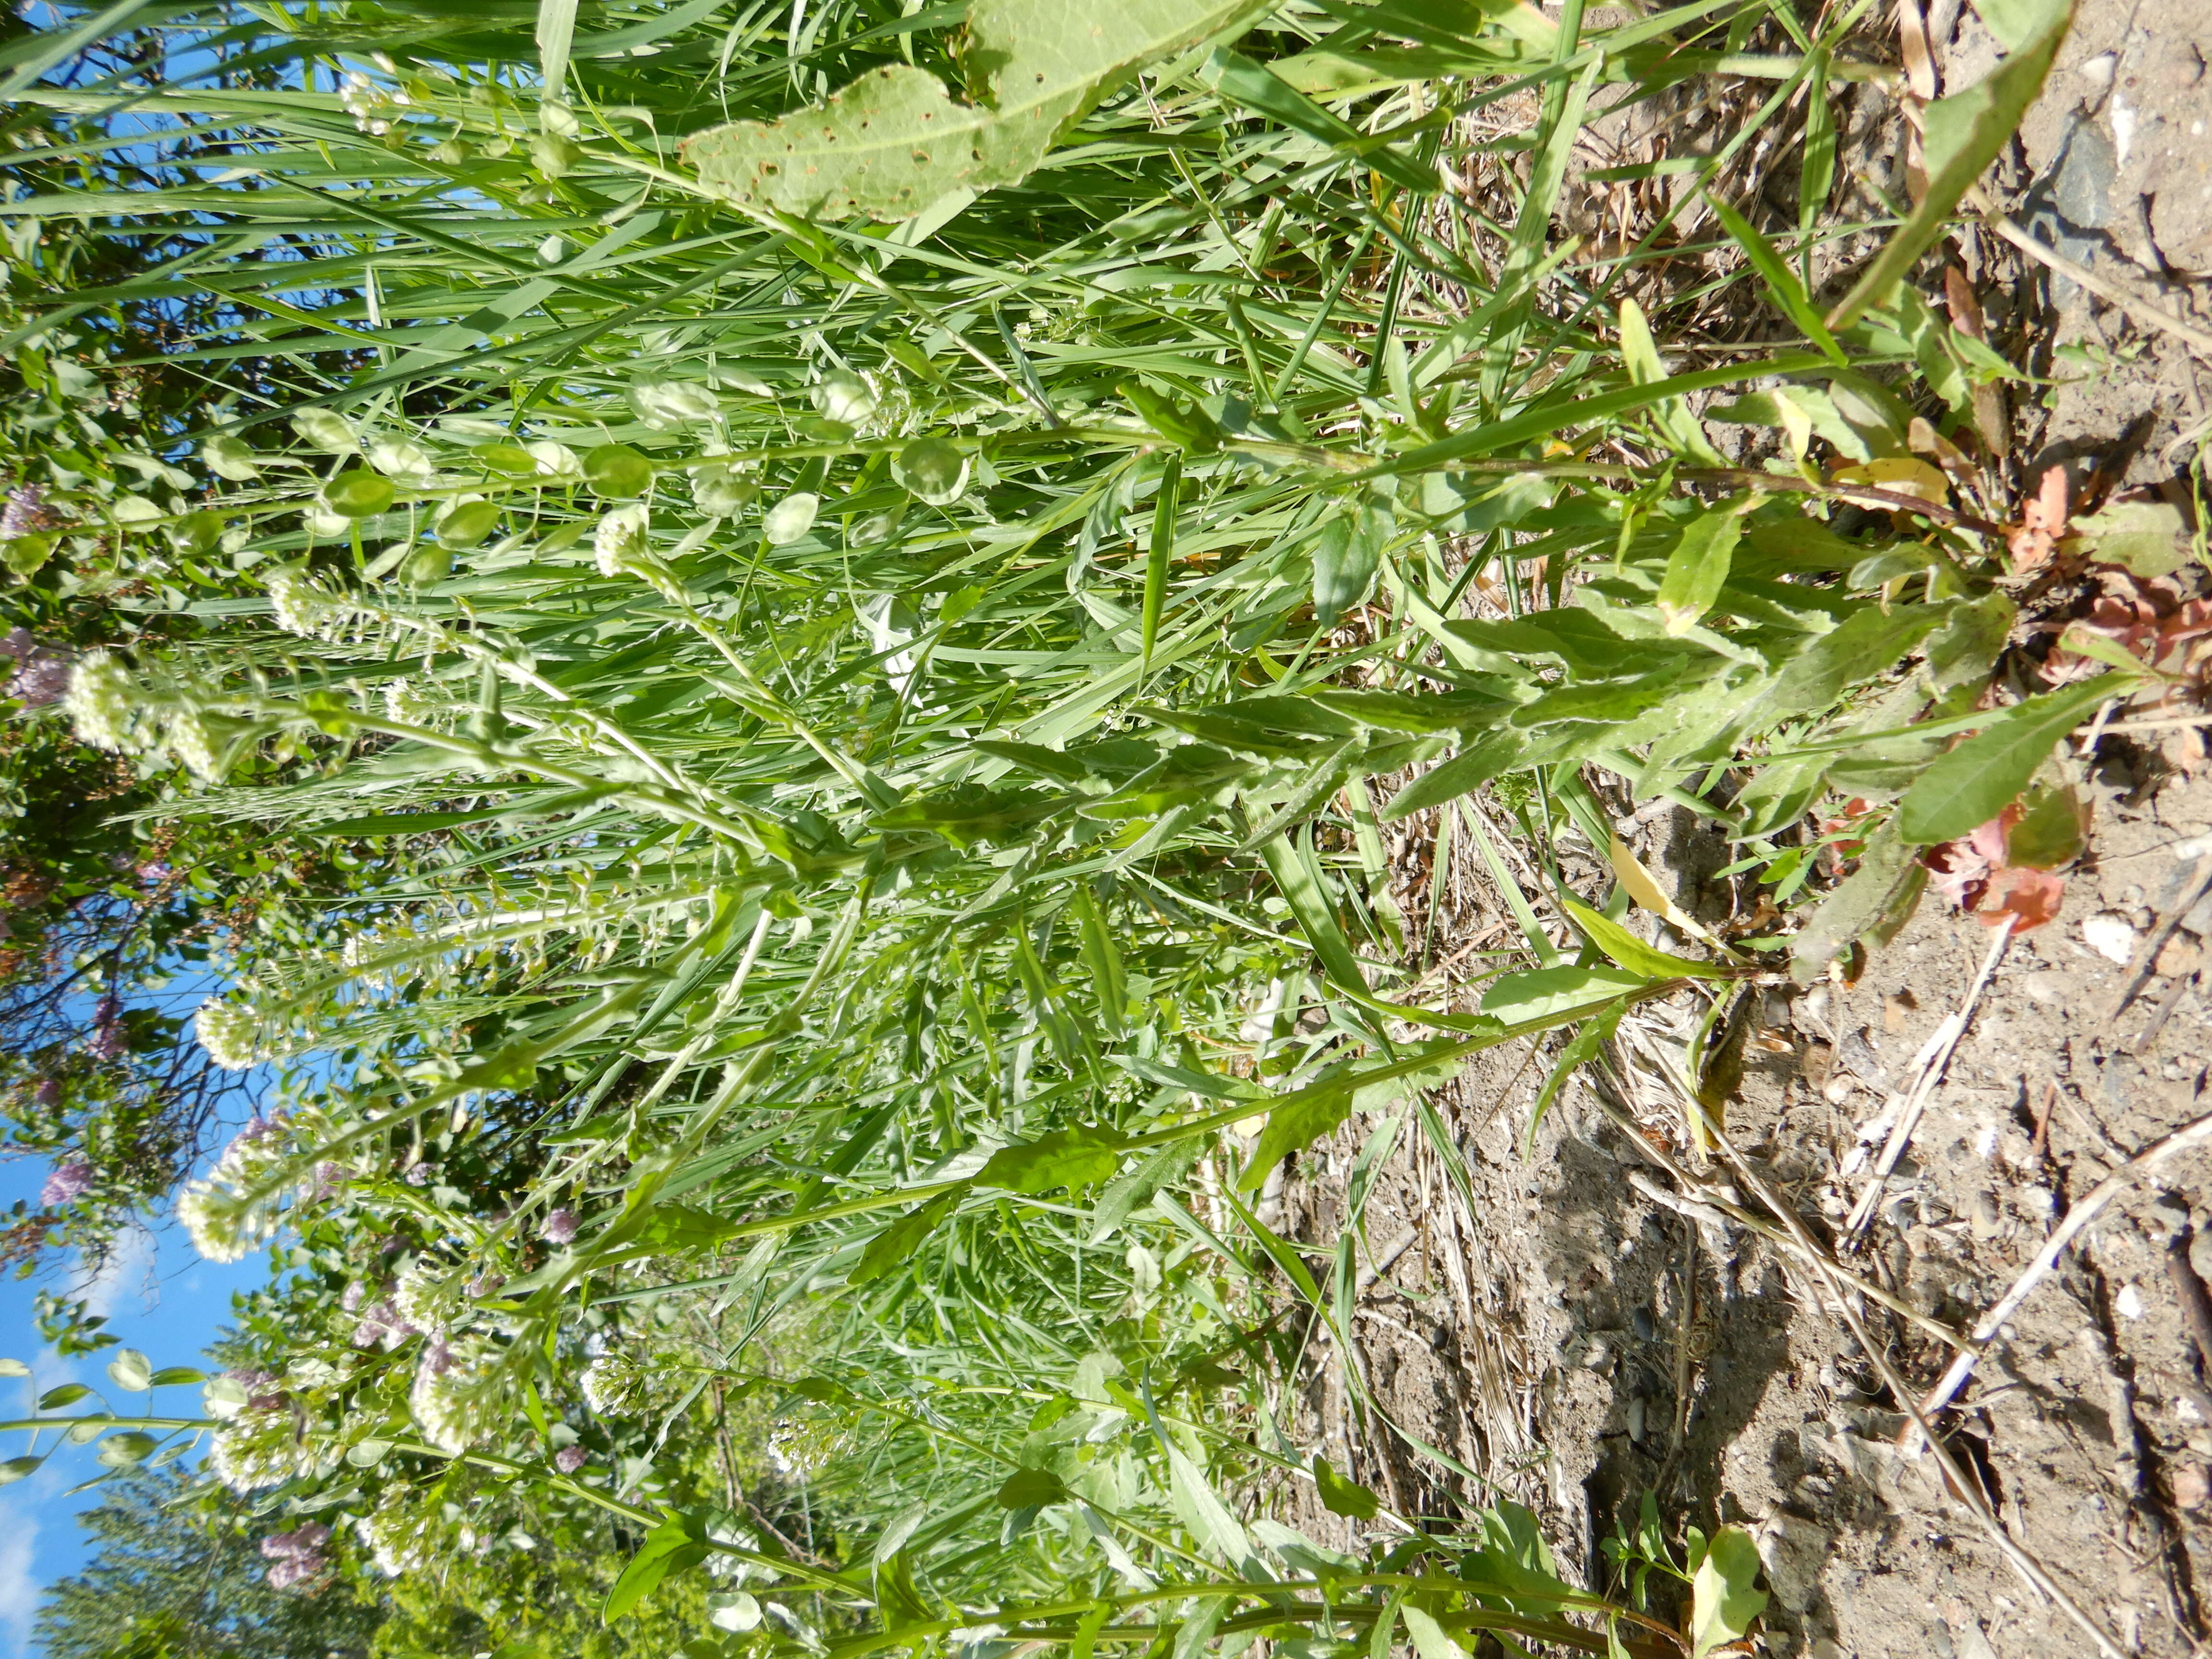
pixel 1900 474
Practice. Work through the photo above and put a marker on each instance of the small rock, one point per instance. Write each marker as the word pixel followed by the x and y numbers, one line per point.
pixel 1819 1060
pixel 1857 1054
pixel 1796 1551
pixel 1985 1220
pixel 2046 987
pixel 2192 1486
pixel 1897 1006
pixel 2181 954
pixel 2110 935
pixel 2129 1302
pixel 2098 71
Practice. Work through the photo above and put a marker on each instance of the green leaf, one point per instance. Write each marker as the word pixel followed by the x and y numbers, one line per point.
pixel 897 1242
pixel 1962 135
pixel 1623 949
pixel 1972 783
pixel 1026 1489
pixel 1135 1188
pixel 1781 281
pixel 1159 555
pixel 1073 1157
pixel 1463 774
pixel 1341 1497
pixel 1557 994
pixel 678 1542
pixel 935 471
pixel 357 493
pixel 1589 1036
pixel 1698 567
pixel 894 142
pixel 1345 556
pixel 1889 875
pixel 16 1467
pixel 1300 1118
pixel 67 1395
pixel 467 524
pixel 1430 1639
pixel 1724 1596
pixel 1240 80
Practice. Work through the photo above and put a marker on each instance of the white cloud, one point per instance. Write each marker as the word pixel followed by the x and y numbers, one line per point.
pixel 20 1588
pixel 129 1264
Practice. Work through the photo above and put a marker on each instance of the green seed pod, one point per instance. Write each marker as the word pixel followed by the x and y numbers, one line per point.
pixel 433 561
pixel 722 490
pixel 468 524
pixel 617 471
pixel 357 493
pixel 934 469
pixel 512 459
pixel 230 458
pixel 325 430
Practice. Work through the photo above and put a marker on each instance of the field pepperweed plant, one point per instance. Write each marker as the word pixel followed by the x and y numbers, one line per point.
pixel 859 587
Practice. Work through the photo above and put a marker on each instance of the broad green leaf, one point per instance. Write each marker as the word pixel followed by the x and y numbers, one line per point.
pixel 1557 994
pixel 678 1542
pixel 1345 555
pixel 67 1395
pixel 1341 1495
pixel 897 1242
pixel 934 470
pixel 467 524
pixel 1073 1157
pixel 1962 133
pixel 1135 1188
pixel 1972 783
pixel 617 471
pixel 1463 774
pixel 1698 567
pixel 1430 1639
pixel 894 142
pixel 1724 1596
pixel 1889 877
pixel 791 518
pixel 1302 1118
pixel 1867 643
pixel 1032 1489
pixel 1623 949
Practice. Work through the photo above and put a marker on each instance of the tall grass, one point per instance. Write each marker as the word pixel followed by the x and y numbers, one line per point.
pixel 878 738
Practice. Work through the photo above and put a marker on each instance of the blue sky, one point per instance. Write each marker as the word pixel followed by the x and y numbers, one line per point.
pixel 160 1298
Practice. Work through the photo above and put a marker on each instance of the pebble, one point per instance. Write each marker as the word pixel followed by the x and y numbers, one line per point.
pixel 2181 956
pixel 2110 935
pixel 2192 1486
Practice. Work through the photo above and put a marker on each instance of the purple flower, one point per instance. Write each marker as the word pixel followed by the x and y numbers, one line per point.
pixel 263 1393
pixel 569 1459
pixel 48 1093
pixel 349 1299
pixel 69 1182
pixel 382 1322
pixel 560 1227
pixel 330 1180
pixel 305 1539
pixel 26 511
pixel 417 1174
pixel 484 1285
pixel 106 1041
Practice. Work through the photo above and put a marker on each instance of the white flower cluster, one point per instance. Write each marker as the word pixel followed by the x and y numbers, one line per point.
pixel 259 1447
pixel 427 1298
pixel 193 744
pixel 100 701
pixel 230 1212
pixel 400 1536
pixel 230 1032
pixel 460 1394
pixel 405 700
pixel 620 538
pixel 370 105
pixel 613 1386
pixel 303 606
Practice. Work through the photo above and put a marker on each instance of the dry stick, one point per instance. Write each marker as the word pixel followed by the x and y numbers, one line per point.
pixel 1967 1488
pixel 2153 1157
pixel 2137 304
pixel 2147 957
pixel 1936 1055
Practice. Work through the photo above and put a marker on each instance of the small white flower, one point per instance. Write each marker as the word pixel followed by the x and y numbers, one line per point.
pixel 457 1395
pixel 405 700
pixel 612 1386
pixel 301 606
pixel 99 699
pixel 620 537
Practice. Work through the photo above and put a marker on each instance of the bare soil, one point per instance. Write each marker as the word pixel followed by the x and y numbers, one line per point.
pixel 1577 1325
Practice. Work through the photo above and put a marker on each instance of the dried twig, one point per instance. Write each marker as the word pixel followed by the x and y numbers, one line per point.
pixel 2153 1157
pixel 2147 954
pixel 1935 1056
pixel 2137 304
